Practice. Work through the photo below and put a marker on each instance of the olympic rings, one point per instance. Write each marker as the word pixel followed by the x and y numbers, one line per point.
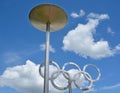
pixel 51 62
pixel 70 63
pixel 85 74
pixel 76 77
pixel 99 75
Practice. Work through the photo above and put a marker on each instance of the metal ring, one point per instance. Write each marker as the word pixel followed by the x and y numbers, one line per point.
pixel 99 74
pixel 65 65
pixel 56 86
pixel 51 62
pixel 85 74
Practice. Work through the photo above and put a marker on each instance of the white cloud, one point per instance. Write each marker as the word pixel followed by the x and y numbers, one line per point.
pixel 108 88
pixel 111 87
pixel 109 30
pixel 11 57
pixel 117 47
pixel 24 78
pixel 76 15
pixel 42 48
pixel 80 40
pixel 98 16
pixel 82 13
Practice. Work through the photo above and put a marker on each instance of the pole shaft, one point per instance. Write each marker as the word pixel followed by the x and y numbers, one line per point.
pixel 70 86
pixel 46 70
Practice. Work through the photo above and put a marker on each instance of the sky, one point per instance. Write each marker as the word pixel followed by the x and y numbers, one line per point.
pixel 91 36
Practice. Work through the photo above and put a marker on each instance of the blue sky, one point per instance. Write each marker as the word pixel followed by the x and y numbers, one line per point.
pixel 91 36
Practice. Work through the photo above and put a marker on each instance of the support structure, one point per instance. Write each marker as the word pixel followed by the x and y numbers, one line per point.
pixel 46 70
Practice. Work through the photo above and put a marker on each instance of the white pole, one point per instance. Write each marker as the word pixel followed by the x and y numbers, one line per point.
pixel 46 70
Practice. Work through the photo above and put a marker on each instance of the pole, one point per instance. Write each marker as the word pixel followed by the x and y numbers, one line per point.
pixel 70 86
pixel 46 69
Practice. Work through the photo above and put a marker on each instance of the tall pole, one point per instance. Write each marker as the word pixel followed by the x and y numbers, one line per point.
pixel 48 18
pixel 46 69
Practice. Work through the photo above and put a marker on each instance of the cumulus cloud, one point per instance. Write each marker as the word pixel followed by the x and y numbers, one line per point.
pixel 76 15
pixel 42 48
pixel 80 40
pixel 24 78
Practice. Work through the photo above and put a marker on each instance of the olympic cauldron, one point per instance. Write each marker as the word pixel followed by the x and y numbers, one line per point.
pixel 50 18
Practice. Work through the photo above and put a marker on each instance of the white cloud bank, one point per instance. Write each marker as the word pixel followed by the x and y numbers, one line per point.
pixel 81 14
pixel 42 48
pixel 80 40
pixel 24 78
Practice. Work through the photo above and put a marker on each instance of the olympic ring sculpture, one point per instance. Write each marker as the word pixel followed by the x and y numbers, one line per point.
pixel 76 77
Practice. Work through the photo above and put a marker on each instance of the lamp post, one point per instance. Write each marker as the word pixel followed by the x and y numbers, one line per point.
pixel 50 18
